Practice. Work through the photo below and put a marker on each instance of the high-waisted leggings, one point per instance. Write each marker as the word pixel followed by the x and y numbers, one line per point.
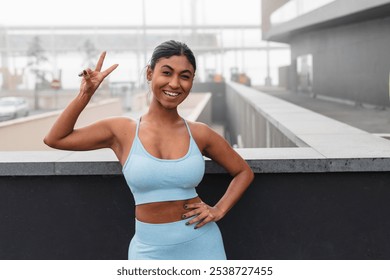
pixel 176 241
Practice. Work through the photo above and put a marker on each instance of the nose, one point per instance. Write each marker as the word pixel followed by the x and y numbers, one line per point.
pixel 174 82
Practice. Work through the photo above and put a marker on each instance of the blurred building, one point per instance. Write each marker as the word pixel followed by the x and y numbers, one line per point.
pixel 339 48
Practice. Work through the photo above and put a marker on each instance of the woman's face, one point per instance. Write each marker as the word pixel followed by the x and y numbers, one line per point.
pixel 171 80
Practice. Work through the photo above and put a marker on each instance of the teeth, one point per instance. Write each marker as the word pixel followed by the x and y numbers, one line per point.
pixel 171 93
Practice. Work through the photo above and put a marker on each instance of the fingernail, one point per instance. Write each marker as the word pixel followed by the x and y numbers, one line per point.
pixel 185 206
pixel 187 223
pixel 183 216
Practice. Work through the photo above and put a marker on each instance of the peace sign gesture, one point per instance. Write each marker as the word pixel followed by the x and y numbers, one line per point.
pixel 93 78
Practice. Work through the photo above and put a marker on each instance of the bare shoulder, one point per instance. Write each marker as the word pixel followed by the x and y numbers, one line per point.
pixel 121 121
pixel 204 135
pixel 199 129
pixel 121 125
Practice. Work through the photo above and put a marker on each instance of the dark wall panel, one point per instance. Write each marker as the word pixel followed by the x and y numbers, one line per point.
pixel 65 217
pixel 281 216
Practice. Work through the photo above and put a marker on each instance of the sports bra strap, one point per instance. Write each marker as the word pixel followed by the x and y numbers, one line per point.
pixel 137 128
pixel 188 127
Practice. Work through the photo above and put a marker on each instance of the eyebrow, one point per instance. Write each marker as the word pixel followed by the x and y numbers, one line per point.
pixel 184 71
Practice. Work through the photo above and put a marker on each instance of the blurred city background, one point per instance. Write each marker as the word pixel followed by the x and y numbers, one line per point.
pixel 278 47
pixel 43 50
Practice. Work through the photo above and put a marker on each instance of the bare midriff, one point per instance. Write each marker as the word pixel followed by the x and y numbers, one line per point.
pixel 163 212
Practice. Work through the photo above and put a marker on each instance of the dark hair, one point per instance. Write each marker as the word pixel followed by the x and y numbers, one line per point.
pixel 170 48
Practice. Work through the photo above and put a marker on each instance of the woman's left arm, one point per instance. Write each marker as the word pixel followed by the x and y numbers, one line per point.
pixel 218 149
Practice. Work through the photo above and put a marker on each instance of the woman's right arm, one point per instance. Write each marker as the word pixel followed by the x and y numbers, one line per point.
pixel 98 135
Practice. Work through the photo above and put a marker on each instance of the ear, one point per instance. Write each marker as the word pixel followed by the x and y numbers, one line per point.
pixel 149 73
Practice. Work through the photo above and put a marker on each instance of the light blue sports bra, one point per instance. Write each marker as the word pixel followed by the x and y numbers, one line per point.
pixel 152 179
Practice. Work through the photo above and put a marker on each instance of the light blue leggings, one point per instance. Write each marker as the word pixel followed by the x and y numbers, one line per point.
pixel 176 241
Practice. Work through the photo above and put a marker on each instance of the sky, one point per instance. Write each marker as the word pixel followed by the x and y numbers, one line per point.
pixel 128 12
pixel 157 12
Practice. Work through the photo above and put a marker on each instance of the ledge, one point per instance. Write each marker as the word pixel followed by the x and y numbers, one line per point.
pixel 104 162
pixel 327 137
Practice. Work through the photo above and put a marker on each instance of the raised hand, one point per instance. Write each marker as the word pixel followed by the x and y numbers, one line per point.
pixel 93 78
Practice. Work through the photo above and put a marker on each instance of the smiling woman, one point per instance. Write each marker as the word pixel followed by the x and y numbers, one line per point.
pixel 172 79
pixel 162 158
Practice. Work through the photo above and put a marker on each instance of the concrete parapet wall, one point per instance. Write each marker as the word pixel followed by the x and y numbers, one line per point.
pixel 261 160
pixel 325 136
pixel 26 134
pixel 248 127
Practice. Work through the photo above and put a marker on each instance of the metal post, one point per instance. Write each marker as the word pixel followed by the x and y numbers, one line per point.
pixel 268 80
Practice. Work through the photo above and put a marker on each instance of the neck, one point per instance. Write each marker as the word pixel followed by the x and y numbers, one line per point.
pixel 163 115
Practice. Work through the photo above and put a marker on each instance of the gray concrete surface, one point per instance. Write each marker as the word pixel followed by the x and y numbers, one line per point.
pixel 261 160
pixel 370 119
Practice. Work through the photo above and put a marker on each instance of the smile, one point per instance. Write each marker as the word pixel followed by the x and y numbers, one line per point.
pixel 170 93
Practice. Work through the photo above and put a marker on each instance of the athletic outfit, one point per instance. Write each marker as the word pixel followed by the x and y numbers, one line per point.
pixel 152 179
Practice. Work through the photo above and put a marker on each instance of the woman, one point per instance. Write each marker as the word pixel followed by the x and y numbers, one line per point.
pixel 162 159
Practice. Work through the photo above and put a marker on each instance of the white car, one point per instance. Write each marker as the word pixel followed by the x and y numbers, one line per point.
pixel 13 107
